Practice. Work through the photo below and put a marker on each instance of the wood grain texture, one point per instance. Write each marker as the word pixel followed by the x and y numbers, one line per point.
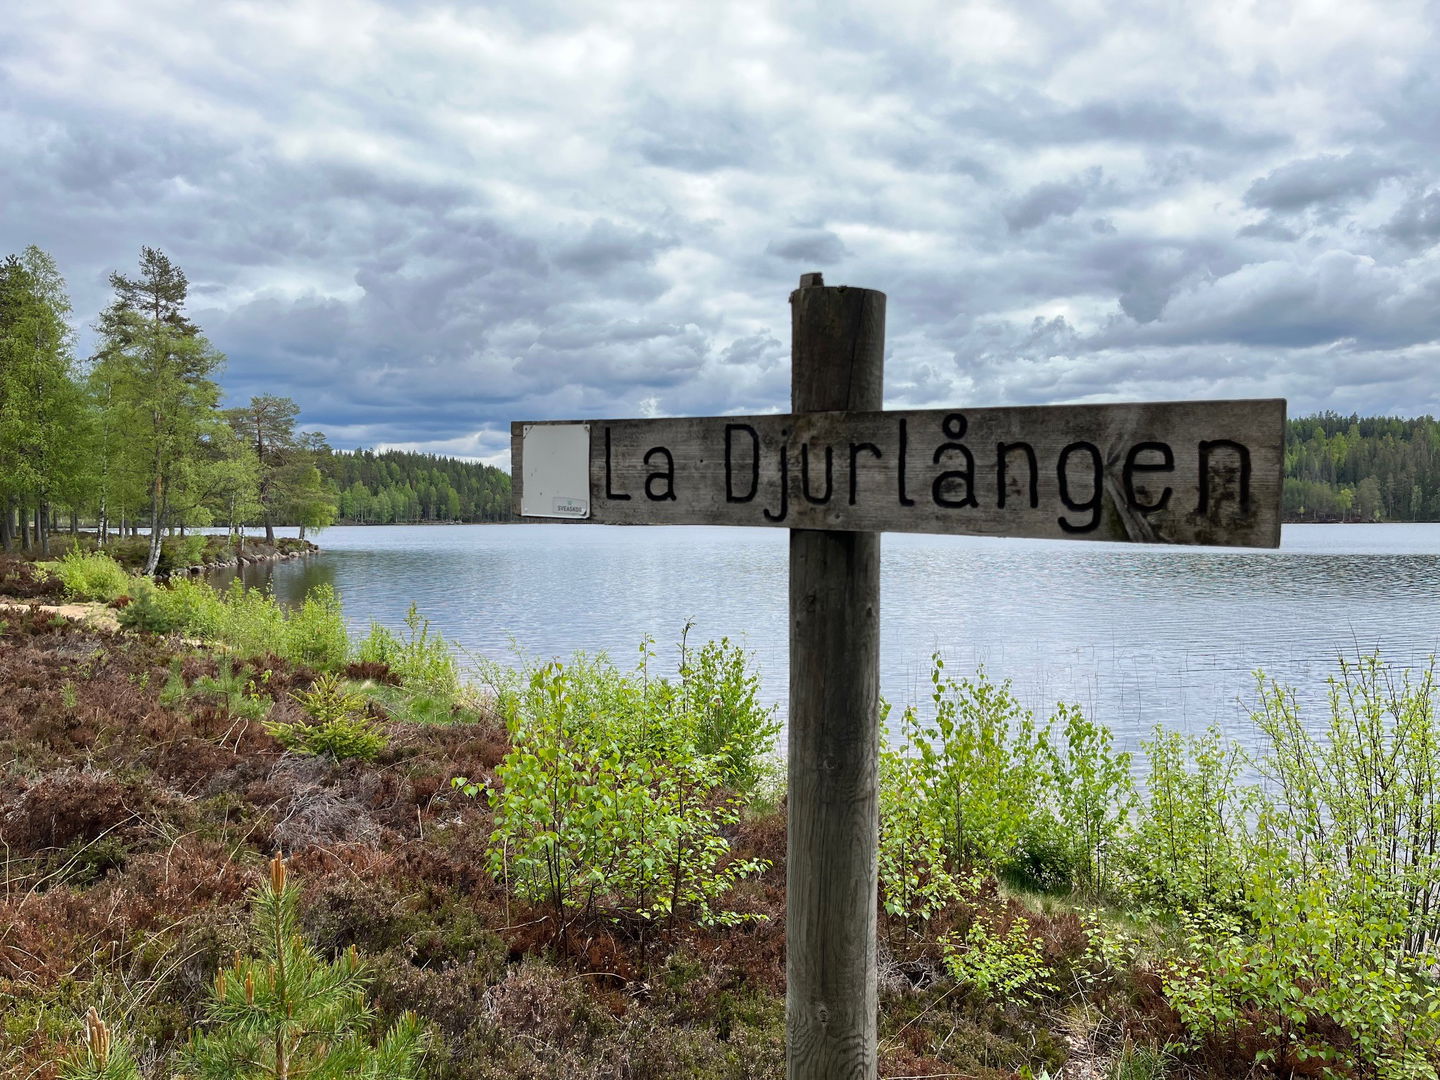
pixel 1206 472
pixel 833 825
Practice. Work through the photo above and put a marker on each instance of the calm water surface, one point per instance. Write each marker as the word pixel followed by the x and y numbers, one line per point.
pixel 1136 635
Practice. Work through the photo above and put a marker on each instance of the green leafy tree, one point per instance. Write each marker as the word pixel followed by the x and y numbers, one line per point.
pixel 267 424
pixel 311 500
pixel 218 482
pixel 396 484
pixel 290 488
pixel 1389 465
pixel 42 410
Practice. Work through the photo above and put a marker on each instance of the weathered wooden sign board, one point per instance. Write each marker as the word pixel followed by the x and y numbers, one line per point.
pixel 837 472
pixel 1167 472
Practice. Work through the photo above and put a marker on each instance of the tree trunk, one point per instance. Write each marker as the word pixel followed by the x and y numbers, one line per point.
pixel 42 536
pixel 269 531
pixel 157 515
pixel 7 523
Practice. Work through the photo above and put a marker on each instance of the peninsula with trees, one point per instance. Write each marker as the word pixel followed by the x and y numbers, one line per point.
pixel 132 441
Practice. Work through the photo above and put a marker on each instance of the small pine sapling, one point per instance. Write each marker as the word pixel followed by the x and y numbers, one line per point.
pixel 290 1014
pixel 102 1057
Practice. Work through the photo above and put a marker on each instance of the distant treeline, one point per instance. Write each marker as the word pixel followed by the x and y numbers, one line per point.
pixel 396 485
pixel 1353 468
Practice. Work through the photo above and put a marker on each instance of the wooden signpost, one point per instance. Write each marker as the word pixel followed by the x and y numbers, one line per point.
pixel 837 471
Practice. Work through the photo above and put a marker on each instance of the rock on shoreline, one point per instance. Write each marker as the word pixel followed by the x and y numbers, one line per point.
pixel 251 553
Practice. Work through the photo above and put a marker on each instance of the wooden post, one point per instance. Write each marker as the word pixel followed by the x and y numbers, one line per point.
pixel 837 363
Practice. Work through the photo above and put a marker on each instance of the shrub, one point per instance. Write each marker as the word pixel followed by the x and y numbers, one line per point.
pixel 91 576
pixel 915 878
pixel 315 635
pixel 982 760
pixel 178 552
pixel 422 660
pixel 1360 800
pixel 336 726
pixel 148 611
pixel 233 689
pixel 983 783
pixel 584 824
pixel 249 621
pixel 1307 904
pixel 1281 978
pixel 711 711
pixel 1093 795
pixel 1007 968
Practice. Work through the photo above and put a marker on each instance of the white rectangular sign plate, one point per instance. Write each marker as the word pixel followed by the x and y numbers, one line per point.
pixel 556 471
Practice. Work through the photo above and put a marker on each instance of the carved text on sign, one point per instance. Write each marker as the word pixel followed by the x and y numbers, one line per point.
pixel 1181 472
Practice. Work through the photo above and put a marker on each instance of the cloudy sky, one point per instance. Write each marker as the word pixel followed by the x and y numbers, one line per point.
pixel 423 221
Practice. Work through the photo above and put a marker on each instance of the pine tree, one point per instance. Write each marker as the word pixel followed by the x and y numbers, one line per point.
pixel 161 400
pixel 101 1057
pixel 290 1014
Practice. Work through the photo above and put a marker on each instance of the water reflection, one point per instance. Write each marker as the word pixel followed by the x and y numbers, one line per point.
pixel 288 581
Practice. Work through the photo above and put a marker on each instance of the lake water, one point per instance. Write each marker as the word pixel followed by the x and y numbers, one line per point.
pixel 1137 635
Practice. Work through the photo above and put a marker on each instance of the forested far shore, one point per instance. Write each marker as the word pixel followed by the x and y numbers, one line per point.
pixel 1362 468
pixel 389 486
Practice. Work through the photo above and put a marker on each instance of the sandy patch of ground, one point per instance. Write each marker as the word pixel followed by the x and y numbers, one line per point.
pixel 97 615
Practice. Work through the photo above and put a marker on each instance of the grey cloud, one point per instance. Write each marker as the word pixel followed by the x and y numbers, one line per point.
pixel 1324 179
pixel 1339 297
pixel 1154 122
pixel 422 240
pixel 1044 201
pixel 818 246
pixel 1028 118
pixel 926 384
pixel 606 246
pixel 697 139
pixel 1149 282
pixel 1417 222
pixel 761 351
pixel 1269 229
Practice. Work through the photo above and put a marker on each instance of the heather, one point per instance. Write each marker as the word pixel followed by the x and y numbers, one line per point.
pixel 575 867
